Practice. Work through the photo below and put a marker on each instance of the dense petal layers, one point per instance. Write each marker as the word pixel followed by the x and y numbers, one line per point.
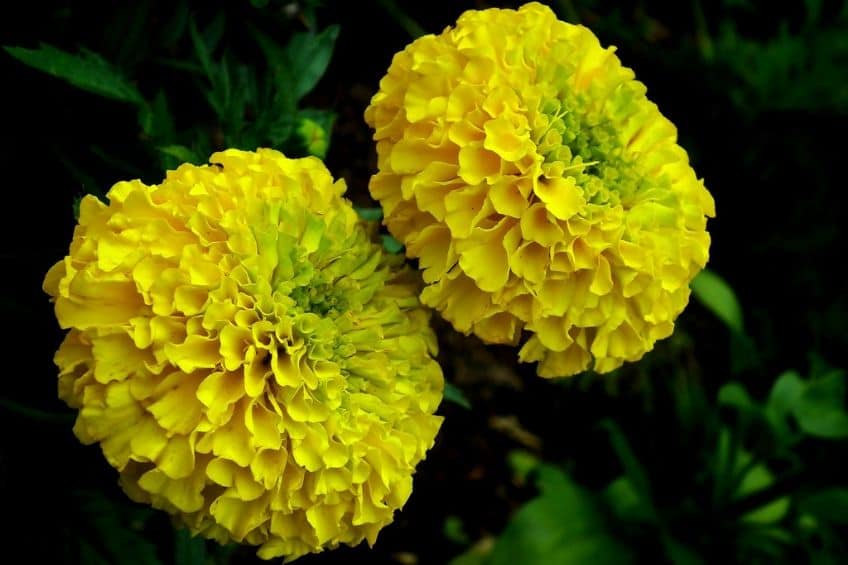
pixel 245 356
pixel 540 190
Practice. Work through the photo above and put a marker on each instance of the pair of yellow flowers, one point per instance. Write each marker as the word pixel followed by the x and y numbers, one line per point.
pixel 252 362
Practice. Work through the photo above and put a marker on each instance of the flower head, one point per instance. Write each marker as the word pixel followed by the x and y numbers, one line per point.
pixel 539 189
pixel 245 356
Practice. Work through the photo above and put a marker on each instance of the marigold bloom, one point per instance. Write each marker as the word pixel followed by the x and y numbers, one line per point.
pixel 245 356
pixel 539 189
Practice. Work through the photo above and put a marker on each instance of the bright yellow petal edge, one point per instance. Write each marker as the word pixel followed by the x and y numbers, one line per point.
pixel 545 197
pixel 245 356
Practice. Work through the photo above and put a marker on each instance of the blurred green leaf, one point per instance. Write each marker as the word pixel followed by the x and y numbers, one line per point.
pixel 756 479
pixel 801 70
pixel 201 51
pixel 522 463
pixel 127 37
pixel 402 18
pixel 86 70
pixel 36 414
pixel 455 531
pixel 115 531
pixel 820 409
pixel 633 469
pixel 734 394
pixel 391 245
pixel 116 162
pixel 783 398
pixel 681 554
pixel 830 505
pixel 370 214
pixel 213 32
pixel 476 554
pixel 88 555
pixel 86 182
pixel 453 394
pixel 182 154
pixel 625 502
pixel 188 549
pixel 714 293
pixel 175 26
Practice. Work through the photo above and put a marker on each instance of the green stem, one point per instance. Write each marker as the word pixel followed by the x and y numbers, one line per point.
pixel 702 32
pixel 408 24
pixel 34 413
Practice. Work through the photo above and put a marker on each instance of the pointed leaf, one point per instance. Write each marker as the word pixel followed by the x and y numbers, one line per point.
pixel 182 154
pixel 86 70
pixel 564 525
pixel 820 409
pixel 714 293
pixel 453 394
pixel 308 55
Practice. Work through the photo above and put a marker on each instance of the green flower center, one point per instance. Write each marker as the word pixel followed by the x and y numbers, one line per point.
pixel 577 141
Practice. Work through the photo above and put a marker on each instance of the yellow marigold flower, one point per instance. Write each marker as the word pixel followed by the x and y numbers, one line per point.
pixel 245 356
pixel 539 189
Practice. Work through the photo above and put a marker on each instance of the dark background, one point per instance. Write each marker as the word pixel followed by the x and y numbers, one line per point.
pixel 762 110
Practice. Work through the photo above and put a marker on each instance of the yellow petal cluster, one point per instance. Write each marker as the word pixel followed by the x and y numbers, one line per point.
pixel 245 355
pixel 539 189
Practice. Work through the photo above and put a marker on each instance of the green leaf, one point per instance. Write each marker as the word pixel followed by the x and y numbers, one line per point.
pixel 784 396
pixel 633 469
pixel 86 70
pixel 36 414
pixel 201 50
pixel 86 181
pixel 307 57
pixel 175 26
pixel 714 293
pixel 564 525
pixel 182 154
pixel 116 162
pixel 188 549
pixel 156 121
pixel 681 554
pixel 453 394
pixel 455 531
pixel 280 111
pixel 391 245
pixel 403 20
pixel 522 463
pixel 758 477
pixel 734 394
pixel 214 31
pixel 114 527
pixel 820 409
pixel 625 502
pixel 370 214
pixel 830 505
pixel 476 554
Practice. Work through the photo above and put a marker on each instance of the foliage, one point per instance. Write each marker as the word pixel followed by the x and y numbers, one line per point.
pixel 250 107
pixel 751 483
